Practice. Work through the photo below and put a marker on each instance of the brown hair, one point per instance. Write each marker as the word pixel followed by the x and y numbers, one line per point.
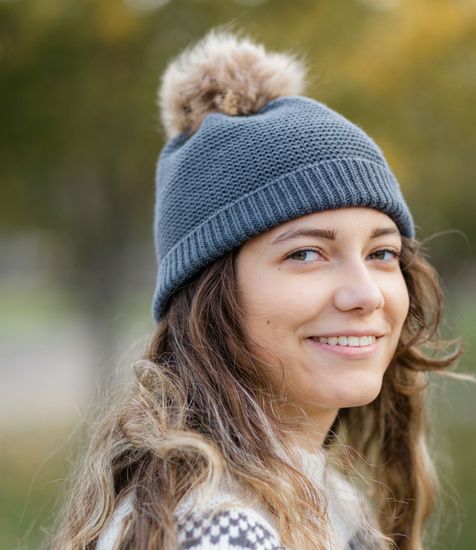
pixel 200 409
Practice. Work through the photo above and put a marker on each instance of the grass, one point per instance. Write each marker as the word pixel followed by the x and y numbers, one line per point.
pixel 33 463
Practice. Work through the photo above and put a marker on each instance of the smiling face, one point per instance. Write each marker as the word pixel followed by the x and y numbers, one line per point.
pixel 297 284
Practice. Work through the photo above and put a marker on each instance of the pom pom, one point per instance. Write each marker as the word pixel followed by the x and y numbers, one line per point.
pixel 227 74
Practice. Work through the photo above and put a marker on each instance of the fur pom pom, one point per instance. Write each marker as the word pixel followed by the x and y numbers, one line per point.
pixel 224 73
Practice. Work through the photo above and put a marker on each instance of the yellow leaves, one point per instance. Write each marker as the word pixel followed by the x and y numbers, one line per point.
pixel 45 12
pixel 393 155
pixel 396 45
pixel 114 21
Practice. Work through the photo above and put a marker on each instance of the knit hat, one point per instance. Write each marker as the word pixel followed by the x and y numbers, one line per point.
pixel 247 152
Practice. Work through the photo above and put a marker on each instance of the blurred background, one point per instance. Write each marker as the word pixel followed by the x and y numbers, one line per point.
pixel 79 140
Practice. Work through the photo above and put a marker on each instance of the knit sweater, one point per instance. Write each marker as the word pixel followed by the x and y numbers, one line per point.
pixel 243 526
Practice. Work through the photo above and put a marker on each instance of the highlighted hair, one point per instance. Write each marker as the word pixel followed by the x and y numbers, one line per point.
pixel 201 409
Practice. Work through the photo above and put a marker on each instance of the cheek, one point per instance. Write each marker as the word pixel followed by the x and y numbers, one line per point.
pixel 400 301
pixel 397 302
pixel 274 302
pixel 274 308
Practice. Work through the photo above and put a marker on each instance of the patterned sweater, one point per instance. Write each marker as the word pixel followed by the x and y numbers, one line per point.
pixel 244 527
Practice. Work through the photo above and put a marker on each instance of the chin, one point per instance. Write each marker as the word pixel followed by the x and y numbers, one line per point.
pixel 357 397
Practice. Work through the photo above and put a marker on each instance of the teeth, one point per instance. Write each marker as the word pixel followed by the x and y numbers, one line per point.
pixel 353 341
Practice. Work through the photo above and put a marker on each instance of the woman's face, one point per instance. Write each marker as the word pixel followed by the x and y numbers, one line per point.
pixel 330 274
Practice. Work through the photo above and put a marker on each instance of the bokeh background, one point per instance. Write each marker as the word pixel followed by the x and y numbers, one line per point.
pixel 79 140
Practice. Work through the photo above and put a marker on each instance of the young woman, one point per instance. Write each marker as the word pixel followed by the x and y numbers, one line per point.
pixel 281 401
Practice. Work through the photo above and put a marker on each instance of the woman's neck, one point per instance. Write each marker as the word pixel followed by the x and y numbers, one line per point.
pixel 311 431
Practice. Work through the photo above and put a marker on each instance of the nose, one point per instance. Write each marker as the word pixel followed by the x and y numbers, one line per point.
pixel 358 289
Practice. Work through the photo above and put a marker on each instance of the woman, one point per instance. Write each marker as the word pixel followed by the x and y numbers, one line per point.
pixel 280 403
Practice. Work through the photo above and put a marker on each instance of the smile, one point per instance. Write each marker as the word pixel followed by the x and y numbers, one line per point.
pixel 354 341
pixel 346 350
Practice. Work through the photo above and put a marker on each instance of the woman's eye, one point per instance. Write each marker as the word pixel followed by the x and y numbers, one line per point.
pixel 306 255
pixel 395 254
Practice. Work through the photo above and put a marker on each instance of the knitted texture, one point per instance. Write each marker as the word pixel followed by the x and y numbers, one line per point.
pixel 238 176
pixel 238 529
pixel 228 529
pixel 241 526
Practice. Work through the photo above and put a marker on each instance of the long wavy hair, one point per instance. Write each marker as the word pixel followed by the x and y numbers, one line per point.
pixel 200 408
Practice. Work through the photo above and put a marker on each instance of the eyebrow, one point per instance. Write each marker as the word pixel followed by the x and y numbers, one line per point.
pixel 329 234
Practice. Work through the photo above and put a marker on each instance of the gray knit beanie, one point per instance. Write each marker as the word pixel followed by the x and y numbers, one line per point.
pixel 246 152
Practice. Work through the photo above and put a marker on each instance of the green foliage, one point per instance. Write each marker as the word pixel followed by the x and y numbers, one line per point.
pixel 80 128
